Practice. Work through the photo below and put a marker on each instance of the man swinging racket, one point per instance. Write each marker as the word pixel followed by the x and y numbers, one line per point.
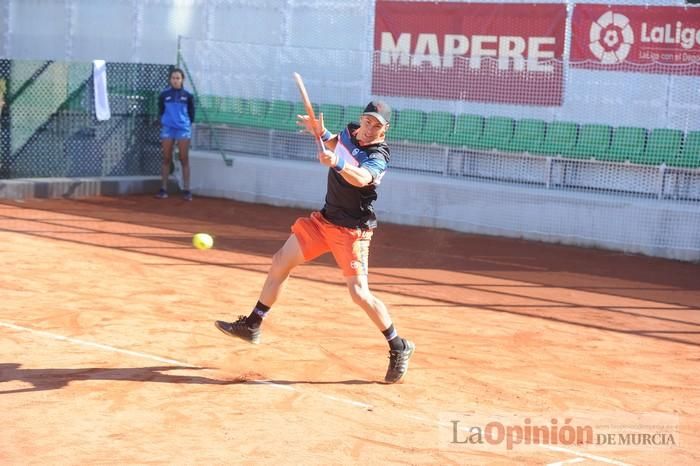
pixel 356 158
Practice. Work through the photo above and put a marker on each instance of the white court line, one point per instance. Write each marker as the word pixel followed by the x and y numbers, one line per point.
pixel 138 354
pixel 571 461
pixel 343 400
pixel 602 459
pixel 95 345
pixel 273 384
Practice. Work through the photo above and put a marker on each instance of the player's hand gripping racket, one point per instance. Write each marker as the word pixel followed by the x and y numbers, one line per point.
pixel 309 111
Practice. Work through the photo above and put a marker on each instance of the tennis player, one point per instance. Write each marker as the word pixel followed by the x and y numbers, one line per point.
pixel 356 158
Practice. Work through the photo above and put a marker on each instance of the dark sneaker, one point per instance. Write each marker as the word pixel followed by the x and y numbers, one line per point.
pixel 398 363
pixel 187 195
pixel 240 329
pixel 162 194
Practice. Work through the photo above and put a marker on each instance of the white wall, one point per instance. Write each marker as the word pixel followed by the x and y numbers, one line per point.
pixel 147 31
pixel 328 41
pixel 651 227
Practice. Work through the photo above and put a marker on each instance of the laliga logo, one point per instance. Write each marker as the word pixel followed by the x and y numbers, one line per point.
pixel 611 38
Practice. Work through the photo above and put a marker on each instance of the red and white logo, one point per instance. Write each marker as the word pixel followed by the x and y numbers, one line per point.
pixel 611 38
pixel 663 39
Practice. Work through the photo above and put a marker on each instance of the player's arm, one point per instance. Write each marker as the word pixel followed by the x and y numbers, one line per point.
pixel 329 139
pixel 361 176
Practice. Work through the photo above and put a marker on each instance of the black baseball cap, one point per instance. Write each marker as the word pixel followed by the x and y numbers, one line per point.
pixel 379 110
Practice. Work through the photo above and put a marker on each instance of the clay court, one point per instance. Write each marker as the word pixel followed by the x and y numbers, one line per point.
pixel 110 356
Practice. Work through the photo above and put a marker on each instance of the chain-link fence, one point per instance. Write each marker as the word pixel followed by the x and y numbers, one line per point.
pixel 48 126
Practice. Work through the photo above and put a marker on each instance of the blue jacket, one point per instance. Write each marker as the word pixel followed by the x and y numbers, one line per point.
pixel 176 108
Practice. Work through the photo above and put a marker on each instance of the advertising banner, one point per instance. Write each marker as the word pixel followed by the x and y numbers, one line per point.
pixel 486 52
pixel 651 39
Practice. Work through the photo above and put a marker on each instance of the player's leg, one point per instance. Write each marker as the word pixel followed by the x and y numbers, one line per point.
pixel 305 243
pixel 400 349
pixel 183 146
pixel 351 252
pixel 284 260
pixel 166 144
pixel 373 306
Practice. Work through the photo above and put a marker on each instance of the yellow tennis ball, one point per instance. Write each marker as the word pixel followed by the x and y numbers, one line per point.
pixel 202 241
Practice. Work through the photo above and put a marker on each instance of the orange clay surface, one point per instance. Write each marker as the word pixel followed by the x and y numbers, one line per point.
pixel 110 355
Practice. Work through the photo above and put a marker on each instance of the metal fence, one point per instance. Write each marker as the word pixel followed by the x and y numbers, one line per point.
pixel 48 126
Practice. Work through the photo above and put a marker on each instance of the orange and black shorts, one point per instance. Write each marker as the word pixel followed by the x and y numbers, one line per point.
pixel 349 246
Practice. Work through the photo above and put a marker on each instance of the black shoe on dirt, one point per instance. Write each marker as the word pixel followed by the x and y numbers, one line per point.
pixel 240 329
pixel 398 363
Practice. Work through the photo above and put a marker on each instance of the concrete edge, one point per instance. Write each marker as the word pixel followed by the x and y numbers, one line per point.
pixel 44 188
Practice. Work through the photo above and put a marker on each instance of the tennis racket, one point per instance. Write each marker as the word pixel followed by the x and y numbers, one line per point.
pixel 309 110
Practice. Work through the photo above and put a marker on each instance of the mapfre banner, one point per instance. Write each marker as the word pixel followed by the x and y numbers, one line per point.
pixel 486 52
pixel 653 39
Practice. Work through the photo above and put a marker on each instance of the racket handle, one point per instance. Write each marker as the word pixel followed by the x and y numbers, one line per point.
pixel 319 143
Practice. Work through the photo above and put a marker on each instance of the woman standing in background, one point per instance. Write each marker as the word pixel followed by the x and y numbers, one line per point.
pixel 176 110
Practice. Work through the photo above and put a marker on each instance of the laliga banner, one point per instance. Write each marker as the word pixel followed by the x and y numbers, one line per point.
pixel 486 52
pixel 621 38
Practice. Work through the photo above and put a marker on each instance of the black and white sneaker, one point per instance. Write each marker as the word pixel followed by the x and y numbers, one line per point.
pixel 398 362
pixel 240 330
